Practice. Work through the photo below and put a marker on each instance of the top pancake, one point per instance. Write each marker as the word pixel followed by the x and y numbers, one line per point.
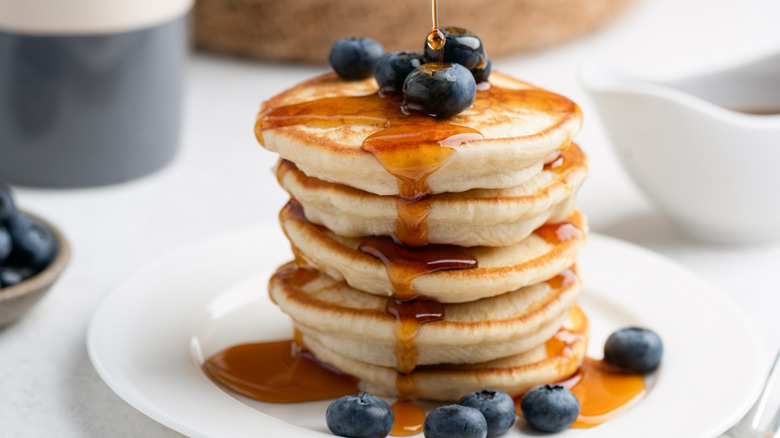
pixel 519 126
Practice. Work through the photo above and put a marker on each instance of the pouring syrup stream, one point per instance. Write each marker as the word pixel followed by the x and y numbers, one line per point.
pixel 436 38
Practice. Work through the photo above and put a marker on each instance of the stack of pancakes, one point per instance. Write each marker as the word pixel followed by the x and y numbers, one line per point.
pixel 433 257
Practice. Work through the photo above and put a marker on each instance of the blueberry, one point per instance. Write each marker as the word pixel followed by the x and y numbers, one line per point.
pixel 5 243
pixel 461 46
pixel 440 90
pixel 34 245
pixel 497 407
pixel 393 68
pixel 7 206
pixel 355 58
pixel 634 348
pixel 359 416
pixel 550 408
pixel 11 275
pixel 455 421
pixel 481 74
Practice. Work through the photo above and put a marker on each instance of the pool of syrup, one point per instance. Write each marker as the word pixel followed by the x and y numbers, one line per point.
pixel 283 371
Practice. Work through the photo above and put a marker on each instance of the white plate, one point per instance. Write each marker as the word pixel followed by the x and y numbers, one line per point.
pixel 148 337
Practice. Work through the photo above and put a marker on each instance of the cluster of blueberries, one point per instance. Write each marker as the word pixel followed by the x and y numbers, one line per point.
pixel 439 89
pixel 487 413
pixel 26 246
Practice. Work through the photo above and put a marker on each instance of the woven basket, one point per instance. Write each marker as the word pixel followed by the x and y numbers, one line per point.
pixel 303 30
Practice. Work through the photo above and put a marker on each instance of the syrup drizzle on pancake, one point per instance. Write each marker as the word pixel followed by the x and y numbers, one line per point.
pixel 408 146
pixel 412 146
pixel 405 264
pixel 410 310
pixel 409 316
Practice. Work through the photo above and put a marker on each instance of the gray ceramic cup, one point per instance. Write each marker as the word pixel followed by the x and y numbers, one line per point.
pixel 93 108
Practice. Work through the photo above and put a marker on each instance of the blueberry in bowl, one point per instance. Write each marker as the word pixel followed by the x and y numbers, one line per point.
pixel 33 254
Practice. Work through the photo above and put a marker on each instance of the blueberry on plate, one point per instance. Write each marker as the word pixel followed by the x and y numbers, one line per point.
pixel 497 407
pixel 481 74
pixel 461 46
pixel 359 416
pixel 5 243
pixel 635 349
pixel 455 421
pixel 393 68
pixel 550 408
pixel 355 58
pixel 439 90
pixel 7 206
pixel 34 245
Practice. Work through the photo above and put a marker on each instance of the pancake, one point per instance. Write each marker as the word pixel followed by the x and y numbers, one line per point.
pixel 478 217
pixel 553 362
pixel 537 258
pixel 322 124
pixel 358 325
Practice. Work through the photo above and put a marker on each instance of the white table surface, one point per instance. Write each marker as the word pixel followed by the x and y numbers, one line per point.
pixel 221 181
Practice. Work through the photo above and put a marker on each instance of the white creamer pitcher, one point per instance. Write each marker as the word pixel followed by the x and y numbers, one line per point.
pixel 704 147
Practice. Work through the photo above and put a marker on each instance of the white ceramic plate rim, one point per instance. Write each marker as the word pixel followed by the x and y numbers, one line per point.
pixel 139 339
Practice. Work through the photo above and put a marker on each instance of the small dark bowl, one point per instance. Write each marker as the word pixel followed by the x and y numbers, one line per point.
pixel 16 300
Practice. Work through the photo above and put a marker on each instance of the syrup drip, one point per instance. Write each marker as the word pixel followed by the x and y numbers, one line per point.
pixel 557 163
pixel 410 315
pixel 559 232
pixel 405 264
pixel 436 38
pixel 277 372
pixel 565 278
pixel 409 418
pixel 411 310
pixel 568 158
pixel 412 152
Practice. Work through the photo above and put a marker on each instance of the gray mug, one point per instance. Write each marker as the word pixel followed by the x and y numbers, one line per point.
pixel 90 107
